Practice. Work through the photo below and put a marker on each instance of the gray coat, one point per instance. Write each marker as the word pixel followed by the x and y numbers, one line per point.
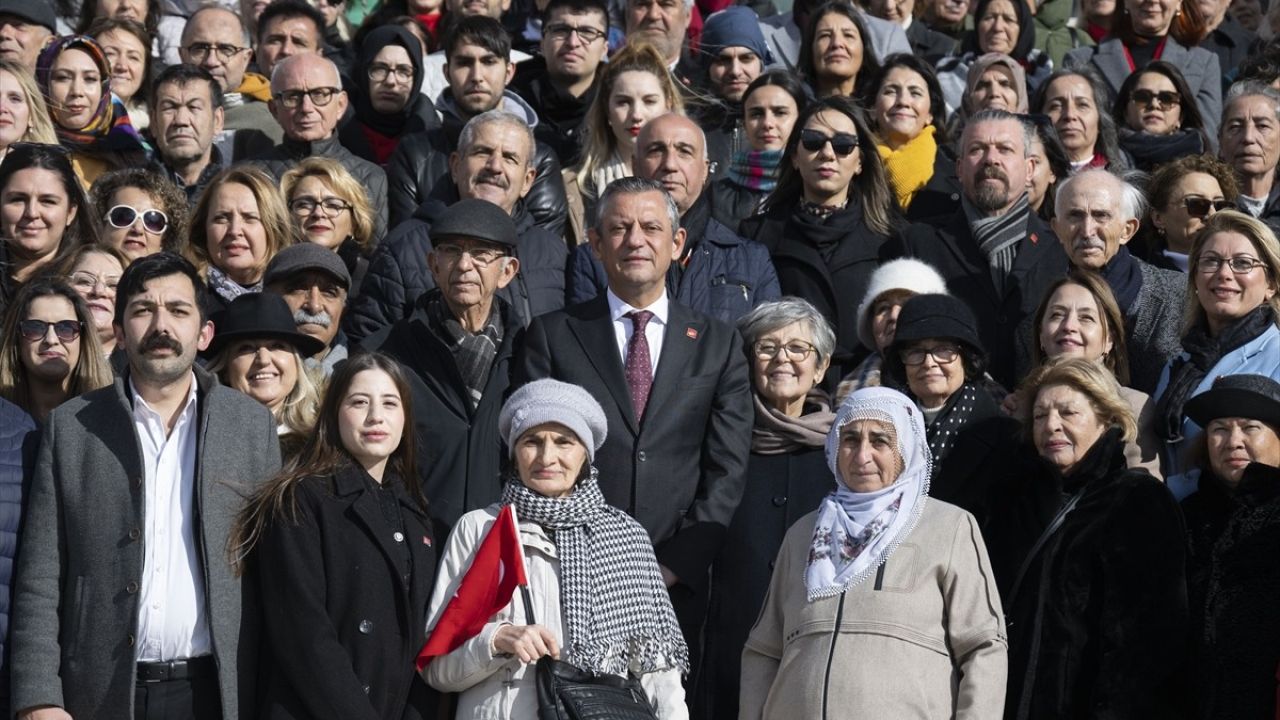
pixel 1155 325
pixel 783 37
pixel 80 564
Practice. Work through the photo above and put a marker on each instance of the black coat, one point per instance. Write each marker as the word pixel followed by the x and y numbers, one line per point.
pixel 1233 577
pixel 836 285
pixel 977 456
pixel 1098 626
pixel 780 489
pixel 947 244
pixel 731 203
pixel 941 195
pixel 344 597
pixel 284 156
pixel 459 449
pixel 561 119
pixel 18 441
pixel 929 44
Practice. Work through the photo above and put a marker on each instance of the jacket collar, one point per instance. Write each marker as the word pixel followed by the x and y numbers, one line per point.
pixel 298 149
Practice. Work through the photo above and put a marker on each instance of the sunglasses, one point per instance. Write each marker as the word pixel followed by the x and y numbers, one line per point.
pixel 1198 207
pixel 841 143
pixel 1165 98
pixel 124 216
pixel 65 330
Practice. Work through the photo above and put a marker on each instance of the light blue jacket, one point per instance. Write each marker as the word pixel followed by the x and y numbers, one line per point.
pixel 1260 356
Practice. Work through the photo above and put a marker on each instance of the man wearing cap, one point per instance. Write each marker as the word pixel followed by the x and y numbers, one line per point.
pixel 736 54
pixel 25 28
pixel 674 385
pixel 314 282
pixel 456 348
pixel 398 273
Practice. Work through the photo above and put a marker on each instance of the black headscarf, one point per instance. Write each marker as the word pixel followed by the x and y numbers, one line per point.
pixel 1026 32
pixel 391 124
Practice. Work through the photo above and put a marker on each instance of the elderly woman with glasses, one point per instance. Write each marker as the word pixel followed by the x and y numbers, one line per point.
pixel 142 212
pixel 1232 327
pixel 882 601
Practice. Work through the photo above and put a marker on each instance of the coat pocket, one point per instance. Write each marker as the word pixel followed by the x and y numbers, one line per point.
pixel 79 609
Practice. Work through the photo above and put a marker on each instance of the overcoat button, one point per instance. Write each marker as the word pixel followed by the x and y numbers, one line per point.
pixel 366 626
pixel 399 536
pixel 134 533
pixel 132 587
pixel 779 500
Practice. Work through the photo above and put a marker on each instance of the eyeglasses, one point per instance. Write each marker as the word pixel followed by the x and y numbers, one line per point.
pixel 480 256
pixel 124 216
pixel 796 350
pixel 1165 98
pixel 841 143
pixel 320 96
pixel 561 32
pixel 942 354
pixel 199 52
pixel 1240 264
pixel 329 207
pixel 65 330
pixel 1198 207
pixel 378 72
pixel 85 282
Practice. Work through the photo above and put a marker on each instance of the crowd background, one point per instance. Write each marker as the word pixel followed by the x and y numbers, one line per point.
pixel 910 358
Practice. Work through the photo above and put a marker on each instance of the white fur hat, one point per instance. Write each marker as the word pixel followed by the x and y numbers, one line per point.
pixel 902 274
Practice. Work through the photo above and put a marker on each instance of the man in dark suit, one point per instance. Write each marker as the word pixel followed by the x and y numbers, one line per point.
pixel 673 383
pixel 126 605
pixel 995 254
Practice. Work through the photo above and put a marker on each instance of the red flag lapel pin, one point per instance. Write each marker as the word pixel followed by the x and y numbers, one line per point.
pixel 691 333
pixel 1035 239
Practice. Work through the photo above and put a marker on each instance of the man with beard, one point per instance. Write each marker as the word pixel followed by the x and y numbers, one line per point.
pixel 126 604
pixel 994 253
pixel 314 282
pixel 493 162
pixel 1097 214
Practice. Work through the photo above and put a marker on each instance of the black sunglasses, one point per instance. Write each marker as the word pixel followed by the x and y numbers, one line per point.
pixel 1198 207
pixel 124 216
pixel 1164 98
pixel 65 330
pixel 841 143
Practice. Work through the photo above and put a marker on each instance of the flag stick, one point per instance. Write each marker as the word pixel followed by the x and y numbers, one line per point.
pixel 524 586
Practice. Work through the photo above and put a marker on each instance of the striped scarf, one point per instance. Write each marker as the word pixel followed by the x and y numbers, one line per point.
pixel 998 236
pixel 109 128
pixel 756 169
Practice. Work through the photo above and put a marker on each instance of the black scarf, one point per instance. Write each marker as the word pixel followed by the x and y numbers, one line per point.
pixel 473 353
pixel 617 612
pixel 955 415
pixel 825 230
pixel 1124 275
pixel 1204 352
pixel 694 223
pixel 390 124
pixel 1148 150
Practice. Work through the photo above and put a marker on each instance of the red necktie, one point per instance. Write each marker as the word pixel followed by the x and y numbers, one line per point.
pixel 638 368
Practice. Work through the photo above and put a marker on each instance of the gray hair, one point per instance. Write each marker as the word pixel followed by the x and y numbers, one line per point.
pixel 1133 204
pixel 635 186
pixel 244 29
pixel 306 57
pixel 769 316
pixel 997 115
pixel 1249 88
pixel 495 116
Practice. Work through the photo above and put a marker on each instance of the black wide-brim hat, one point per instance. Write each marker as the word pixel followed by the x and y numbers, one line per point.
pixel 1256 397
pixel 256 316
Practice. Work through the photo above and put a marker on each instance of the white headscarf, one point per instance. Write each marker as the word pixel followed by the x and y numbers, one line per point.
pixel 856 532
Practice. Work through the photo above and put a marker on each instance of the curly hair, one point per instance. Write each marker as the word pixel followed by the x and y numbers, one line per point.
pixel 172 201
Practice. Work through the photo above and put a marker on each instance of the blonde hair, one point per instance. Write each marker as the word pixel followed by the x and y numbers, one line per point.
pixel 39 122
pixel 598 144
pixel 344 185
pixel 298 411
pixel 1092 379
pixel 271 210
pixel 1263 241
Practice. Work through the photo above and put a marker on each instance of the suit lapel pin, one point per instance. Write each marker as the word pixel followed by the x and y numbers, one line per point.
pixel 1035 239
pixel 691 333
pixel 426 541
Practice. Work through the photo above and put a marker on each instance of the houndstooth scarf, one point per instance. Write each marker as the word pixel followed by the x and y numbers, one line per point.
pixel 617 611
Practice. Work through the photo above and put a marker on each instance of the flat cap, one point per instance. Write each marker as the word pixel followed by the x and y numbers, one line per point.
pixel 306 256
pixel 475 219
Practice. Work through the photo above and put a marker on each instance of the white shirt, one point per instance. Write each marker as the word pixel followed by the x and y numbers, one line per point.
pixel 624 326
pixel 173 622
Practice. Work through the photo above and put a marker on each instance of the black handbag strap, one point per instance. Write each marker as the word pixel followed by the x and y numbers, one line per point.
pixel 1049 530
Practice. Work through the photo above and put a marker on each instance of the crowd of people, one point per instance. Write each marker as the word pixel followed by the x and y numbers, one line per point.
pixel 883 358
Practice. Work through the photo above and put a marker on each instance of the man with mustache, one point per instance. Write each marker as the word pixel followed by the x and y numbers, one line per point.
pixel 994 253
pixel 1249 141
pixel 314 282
pixel 456 349
pixel 186 116
pixel 494 162
pixel 126 603
pixel 478 70
pixel 1097 214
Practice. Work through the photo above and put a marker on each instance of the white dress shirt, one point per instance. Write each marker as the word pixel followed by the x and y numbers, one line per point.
pixel 653 332
pixel 173 622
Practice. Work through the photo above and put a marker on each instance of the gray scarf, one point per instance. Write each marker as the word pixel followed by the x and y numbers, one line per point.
pixel 617 610
pixel 226 288
pixel 998 236
pixel 473 353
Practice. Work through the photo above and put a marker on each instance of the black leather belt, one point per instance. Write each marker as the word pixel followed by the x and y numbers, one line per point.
pixel 153 672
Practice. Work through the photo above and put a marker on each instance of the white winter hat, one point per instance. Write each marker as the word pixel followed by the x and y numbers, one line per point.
pixel 902 274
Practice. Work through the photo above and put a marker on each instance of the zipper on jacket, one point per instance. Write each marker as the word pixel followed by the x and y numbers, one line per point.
pixel 831 654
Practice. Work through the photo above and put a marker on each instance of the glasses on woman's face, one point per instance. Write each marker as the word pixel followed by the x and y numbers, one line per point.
pixel 320 96
pixel 65 330
pixel 379 72
pixel 1164 98
pixel 1239 265
pixel 842 144
pixel 1198 207
pixel 942 354
pixel 796 350
pixel 329 207
pixel 124 216
pixel 85 282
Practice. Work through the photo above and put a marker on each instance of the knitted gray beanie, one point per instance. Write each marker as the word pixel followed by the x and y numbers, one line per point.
pixel 552 401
